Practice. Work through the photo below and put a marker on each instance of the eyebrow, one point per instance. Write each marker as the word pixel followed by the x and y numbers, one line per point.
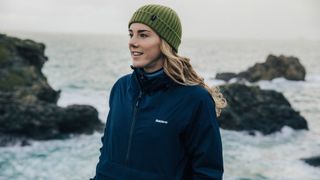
pixel 140 31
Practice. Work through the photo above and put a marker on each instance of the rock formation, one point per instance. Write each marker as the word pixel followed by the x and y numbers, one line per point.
pixel 28 104
pixel 274 67
pixel 313 161
pixel 252 109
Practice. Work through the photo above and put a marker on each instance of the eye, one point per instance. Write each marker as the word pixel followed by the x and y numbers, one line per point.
pixel 143 35
pixel 130 35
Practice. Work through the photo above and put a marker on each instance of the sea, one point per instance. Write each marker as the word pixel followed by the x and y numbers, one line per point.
pixel 85 67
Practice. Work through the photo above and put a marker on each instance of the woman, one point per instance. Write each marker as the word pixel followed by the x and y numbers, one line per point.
pixel 162 121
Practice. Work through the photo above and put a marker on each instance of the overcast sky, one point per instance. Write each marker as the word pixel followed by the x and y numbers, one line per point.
pixel 250 19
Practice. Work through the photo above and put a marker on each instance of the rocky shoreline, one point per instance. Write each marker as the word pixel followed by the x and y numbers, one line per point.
pixel 253 110
pixel 28 104
pixel 29 110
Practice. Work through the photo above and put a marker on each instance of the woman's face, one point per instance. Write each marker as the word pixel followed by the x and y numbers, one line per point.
pixel 144 46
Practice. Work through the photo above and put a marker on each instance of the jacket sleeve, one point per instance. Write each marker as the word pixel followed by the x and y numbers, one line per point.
pixel 107 126
pixel 203 142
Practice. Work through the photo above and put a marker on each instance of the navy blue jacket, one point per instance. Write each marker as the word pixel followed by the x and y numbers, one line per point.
pixel 159 130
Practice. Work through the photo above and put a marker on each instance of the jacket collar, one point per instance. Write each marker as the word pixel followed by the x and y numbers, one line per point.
pixel 151 82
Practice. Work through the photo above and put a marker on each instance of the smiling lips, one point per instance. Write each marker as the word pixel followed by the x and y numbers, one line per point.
pixel 136 53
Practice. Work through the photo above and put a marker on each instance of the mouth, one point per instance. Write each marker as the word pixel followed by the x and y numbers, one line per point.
pixel 136 53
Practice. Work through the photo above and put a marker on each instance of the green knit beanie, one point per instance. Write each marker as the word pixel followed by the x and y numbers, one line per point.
pixel 163 20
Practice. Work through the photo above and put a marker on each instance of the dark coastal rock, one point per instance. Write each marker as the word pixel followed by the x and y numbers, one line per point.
pixel 41 120
pixel 9 140
pixel 274 67
pixel 20 69
pixel 252 109
pixel 313 161
pixel 28 104
pixel 226 76
pixel 80 119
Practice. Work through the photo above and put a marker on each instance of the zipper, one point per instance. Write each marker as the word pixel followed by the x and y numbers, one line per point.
pixel 132 126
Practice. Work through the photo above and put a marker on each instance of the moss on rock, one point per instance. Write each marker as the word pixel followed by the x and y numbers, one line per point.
pixel 4 53
pixel 14 78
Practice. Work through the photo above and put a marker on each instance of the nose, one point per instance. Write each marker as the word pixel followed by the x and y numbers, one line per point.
pixel 133 42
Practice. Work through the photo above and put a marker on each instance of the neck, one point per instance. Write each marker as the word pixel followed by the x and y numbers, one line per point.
pixel 154 65
pixel 150 71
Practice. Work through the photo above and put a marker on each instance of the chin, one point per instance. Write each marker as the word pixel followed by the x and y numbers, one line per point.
pixel 137 65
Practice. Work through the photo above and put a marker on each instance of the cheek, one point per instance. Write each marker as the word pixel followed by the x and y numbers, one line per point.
pixel 153 50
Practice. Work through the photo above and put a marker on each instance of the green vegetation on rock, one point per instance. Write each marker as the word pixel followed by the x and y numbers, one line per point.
pixel 4 53
pixel 13 78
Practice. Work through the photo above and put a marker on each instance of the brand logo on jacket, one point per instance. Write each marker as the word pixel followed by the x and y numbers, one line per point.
pixel 161 121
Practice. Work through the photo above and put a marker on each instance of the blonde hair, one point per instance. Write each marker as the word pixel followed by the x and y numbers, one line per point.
pixel 179 69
